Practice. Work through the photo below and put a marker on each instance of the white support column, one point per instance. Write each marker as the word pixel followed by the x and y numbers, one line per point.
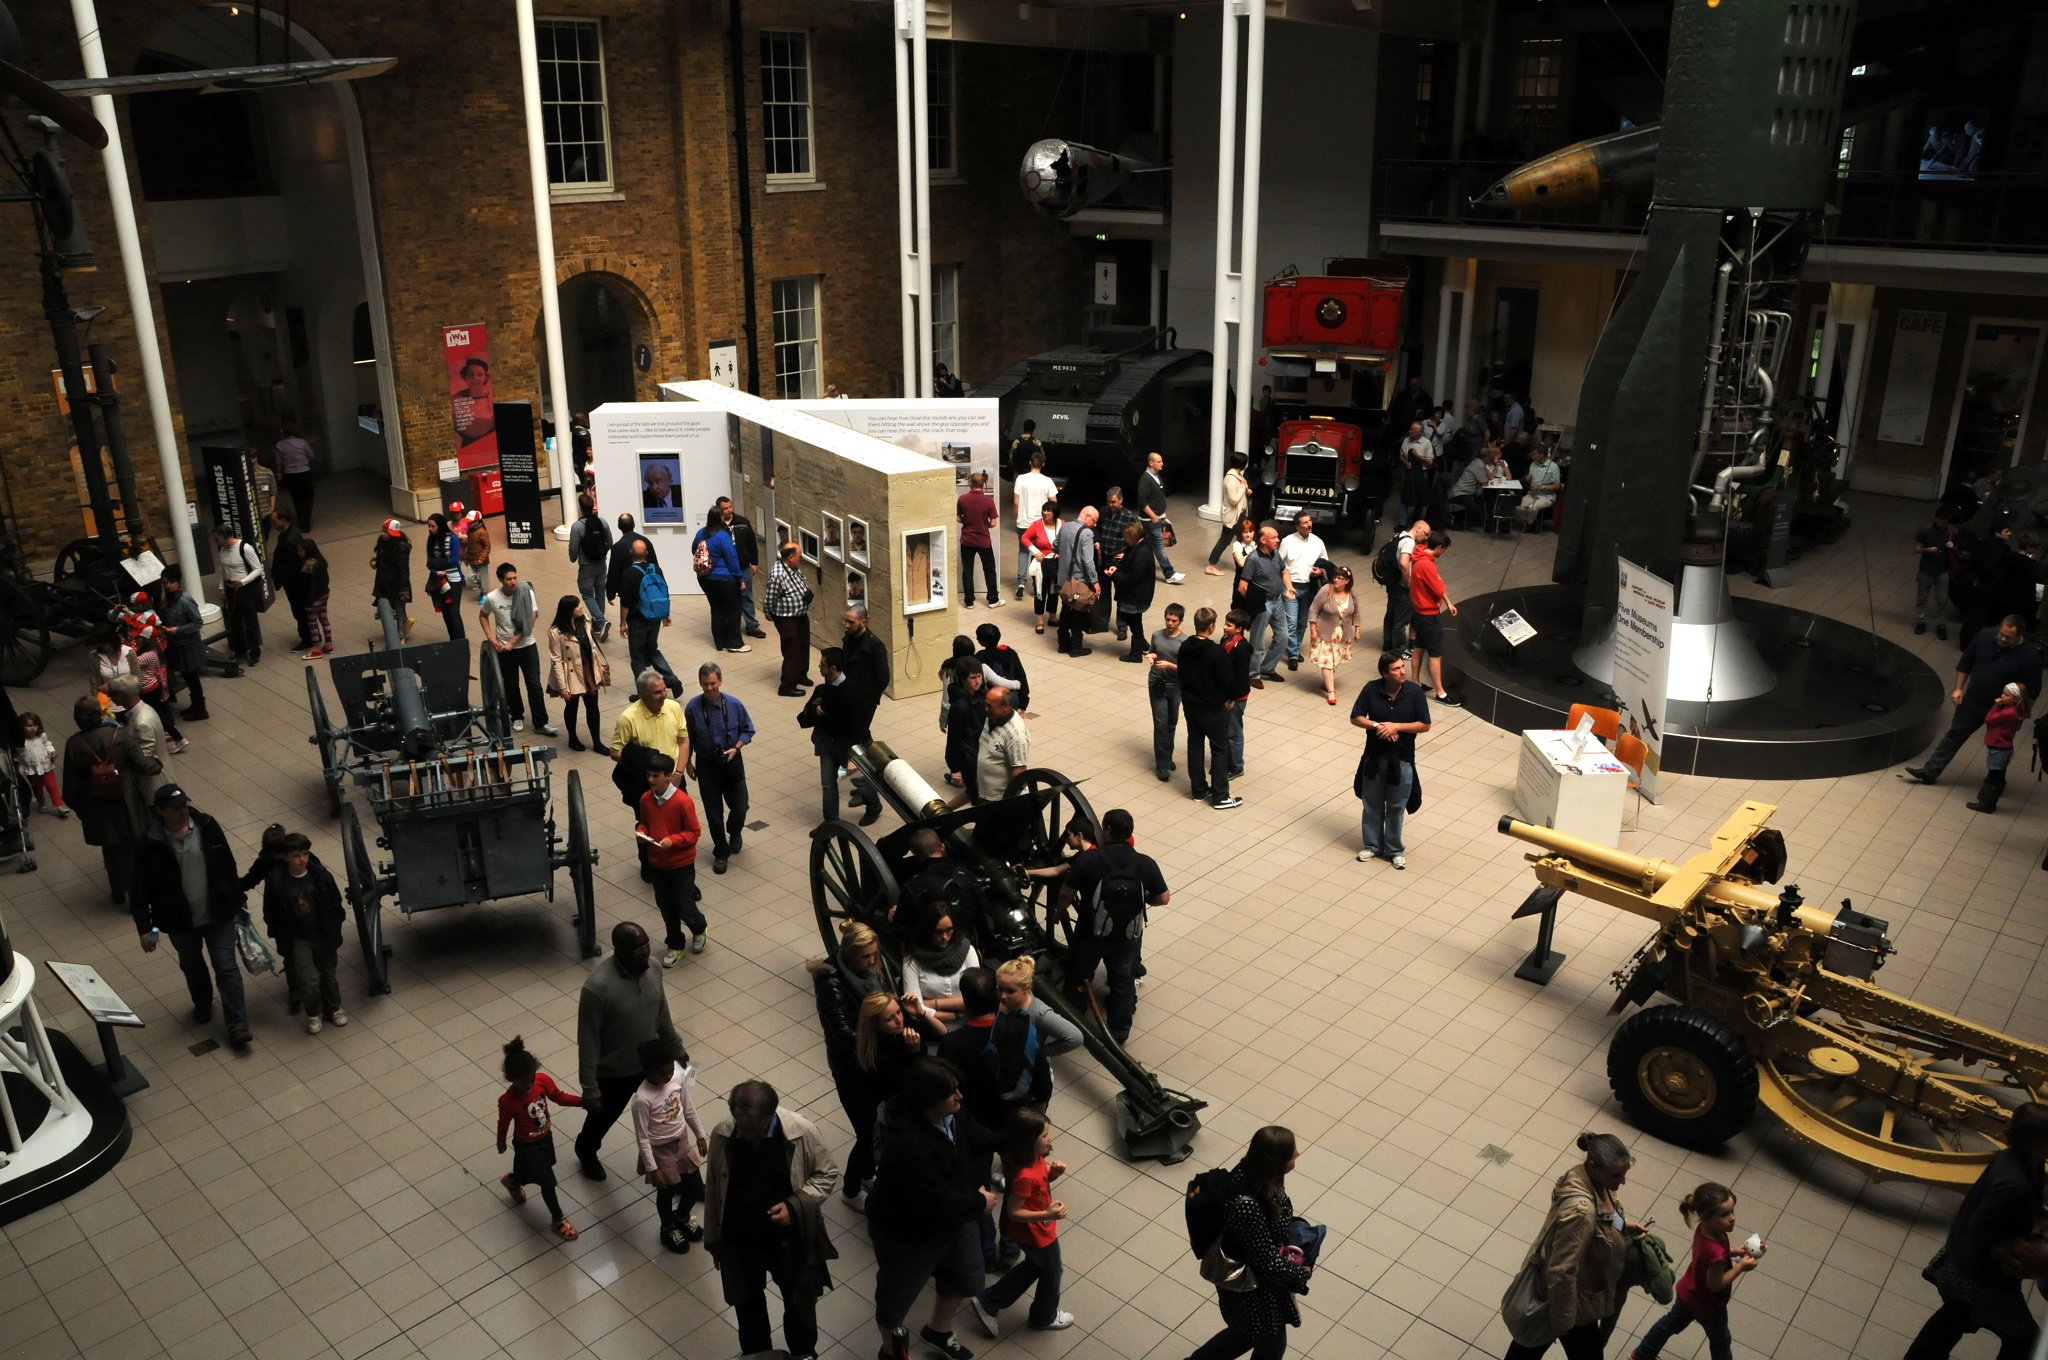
pixel 115 161
pixel 1249 297
pixel 1461 377
pixel 1443 331
pixel 544 246
pixel 906 221
pixel 921 161
pixel 1229 310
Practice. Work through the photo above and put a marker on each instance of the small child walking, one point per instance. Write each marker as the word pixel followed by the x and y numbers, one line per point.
pixel 39 765
pixel 2001 725
pixel 663 1114
pixel 1704 1288
pixel 1030 1219
pixel 157 689
pixel 524 1109
pixel 314 572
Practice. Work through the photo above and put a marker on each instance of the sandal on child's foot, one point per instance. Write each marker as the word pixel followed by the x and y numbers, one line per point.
pixel 513 1188
pixel 565 1230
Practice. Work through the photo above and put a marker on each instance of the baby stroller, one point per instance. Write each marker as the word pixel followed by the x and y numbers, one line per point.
pixel 16 841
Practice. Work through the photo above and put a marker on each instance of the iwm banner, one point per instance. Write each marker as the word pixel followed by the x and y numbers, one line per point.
pixel 468 351
pixel 1643 631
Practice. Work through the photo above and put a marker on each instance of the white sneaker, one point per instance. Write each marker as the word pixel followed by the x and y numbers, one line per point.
pixel 1172 580
pixel 672 958
pixel 312 1024
pixel 1365 857
pixel 519 724
pixel 987 1317
pixel 1060 1322
pixel 743 647
pixel 339 1018
pixel 1400 861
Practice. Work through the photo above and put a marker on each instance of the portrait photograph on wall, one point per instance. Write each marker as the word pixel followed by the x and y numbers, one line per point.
pixel 924 570
pixel 782 535
pixel 834 539
pixel 807 545
pixel 856 541
pixel 661 488
pixel 856 586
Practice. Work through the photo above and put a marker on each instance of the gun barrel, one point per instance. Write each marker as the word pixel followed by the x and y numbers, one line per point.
pixel 1650 873
pixel 905 790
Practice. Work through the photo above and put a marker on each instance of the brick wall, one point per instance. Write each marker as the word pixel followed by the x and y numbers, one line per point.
pixel 445 149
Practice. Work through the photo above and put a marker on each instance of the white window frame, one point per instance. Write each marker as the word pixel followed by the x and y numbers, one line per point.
pixel 578 188
pixel 801 381
pixel 807 139
pixel 945 314
pixel 942 109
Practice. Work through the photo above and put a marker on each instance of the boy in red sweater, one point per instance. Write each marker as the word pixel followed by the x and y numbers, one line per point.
pixel 668 827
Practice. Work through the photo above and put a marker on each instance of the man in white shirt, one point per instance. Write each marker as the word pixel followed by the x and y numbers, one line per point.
pixel 241 588
pixel 1031 491
pixel 509 617
pixel 1417 465
pixel 1544 480
pixel 1300 552
pixel 1437 430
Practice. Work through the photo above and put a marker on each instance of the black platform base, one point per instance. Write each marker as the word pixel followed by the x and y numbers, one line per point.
pixel 104 1146
pixel 1846 702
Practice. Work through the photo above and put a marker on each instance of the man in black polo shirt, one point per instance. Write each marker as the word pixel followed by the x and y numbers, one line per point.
pixel 1991 660
pixel 1205 690
pixel 1391 713
pixel 1111 887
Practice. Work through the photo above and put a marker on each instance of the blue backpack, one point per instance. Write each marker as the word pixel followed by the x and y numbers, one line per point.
pixel 653 592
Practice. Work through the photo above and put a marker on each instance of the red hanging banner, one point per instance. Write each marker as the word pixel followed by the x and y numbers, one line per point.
pixel 470 393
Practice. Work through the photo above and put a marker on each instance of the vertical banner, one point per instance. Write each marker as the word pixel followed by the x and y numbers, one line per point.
pixel 1909 381
pixel 1643 631
pixel 519 473
pixel 468 351
pixel 230 492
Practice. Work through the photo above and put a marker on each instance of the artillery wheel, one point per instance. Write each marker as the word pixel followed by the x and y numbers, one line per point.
pixel 1682 1076
pixel 367 896
pixel 24 635
pixel 497 716
pixel 1048 834
pixel 850 881
pixel 1820 1105
pixel 323 738
pixel 581 860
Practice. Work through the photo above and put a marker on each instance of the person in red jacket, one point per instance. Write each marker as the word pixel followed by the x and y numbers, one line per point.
pixel 669 828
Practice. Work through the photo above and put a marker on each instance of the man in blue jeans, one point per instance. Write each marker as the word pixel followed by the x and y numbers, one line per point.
pixel 1152 505
pixel 186 886
pixel 1392 713
pixel 1265 592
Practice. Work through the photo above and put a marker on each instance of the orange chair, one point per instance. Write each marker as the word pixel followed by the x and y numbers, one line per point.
pixel 1630 751
pixel 1606 721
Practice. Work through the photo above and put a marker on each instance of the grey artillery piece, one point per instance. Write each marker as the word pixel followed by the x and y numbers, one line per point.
pixel 466 811
pixel 857 878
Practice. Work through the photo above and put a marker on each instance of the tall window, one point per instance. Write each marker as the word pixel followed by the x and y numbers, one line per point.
pixel 1538 114
pixel 1425 94
pixel 572 113
pixel 786 104
pixel 941 108
pixel 945 311
pixel 795 303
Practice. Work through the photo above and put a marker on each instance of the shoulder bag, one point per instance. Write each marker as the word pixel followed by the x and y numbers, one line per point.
pixel 1525 1307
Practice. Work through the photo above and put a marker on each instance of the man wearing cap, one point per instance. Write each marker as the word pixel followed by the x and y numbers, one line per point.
pixel 186 886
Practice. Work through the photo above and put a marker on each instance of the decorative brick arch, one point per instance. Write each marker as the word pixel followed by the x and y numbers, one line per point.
pixel 620 277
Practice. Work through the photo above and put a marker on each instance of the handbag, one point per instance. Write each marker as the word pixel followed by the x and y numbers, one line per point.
pixel 1525 1308
pixel 1167 537
pixel 255 952
pixel 1226 1272
pixel 1076 593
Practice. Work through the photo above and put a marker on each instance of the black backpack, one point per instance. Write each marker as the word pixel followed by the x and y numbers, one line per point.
pixel 1209 1194
pixel 597 540
pixel 1386 563
pixel 1119 904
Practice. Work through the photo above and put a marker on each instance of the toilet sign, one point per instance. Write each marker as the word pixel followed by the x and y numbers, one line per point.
pixel 725 362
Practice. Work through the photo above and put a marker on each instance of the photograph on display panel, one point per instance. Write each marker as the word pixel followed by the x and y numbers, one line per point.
pixel 924 571
pixel 856 541
pixel 834 541
pixel 661 488
pixel 782 535
pixel 856 586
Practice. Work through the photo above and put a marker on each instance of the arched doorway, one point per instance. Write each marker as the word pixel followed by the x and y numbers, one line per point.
pixel 605 327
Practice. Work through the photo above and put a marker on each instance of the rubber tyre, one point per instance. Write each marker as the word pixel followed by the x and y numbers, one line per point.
pixel 1704 1045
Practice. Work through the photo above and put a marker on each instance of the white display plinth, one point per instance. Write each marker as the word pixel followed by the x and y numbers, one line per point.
pixel 1571 783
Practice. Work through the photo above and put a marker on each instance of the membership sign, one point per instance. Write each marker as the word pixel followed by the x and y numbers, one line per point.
pixel 1643 630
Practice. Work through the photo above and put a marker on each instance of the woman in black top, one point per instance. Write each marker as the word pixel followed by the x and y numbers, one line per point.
pixel 842 984
pixel 1256 1320
pixel 1132 570
pixel 444 574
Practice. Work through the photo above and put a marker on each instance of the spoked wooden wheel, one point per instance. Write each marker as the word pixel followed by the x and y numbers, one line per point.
pixel 1061 805
pixel 323 739
pixel 497 715
pixel 581 861
pixel 24 635
pixel 366 895
pixel 1816 1096
pixel 850 881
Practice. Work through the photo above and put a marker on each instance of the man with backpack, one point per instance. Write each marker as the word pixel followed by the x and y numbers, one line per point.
pixel 1393 567
pixel 590 548
pixel 644 609
pixel 1111 887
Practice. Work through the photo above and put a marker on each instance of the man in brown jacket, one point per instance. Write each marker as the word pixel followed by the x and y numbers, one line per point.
pixel 767 1179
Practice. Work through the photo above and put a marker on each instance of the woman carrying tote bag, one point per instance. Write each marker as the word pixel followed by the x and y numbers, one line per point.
pixel 1258 1242
pixel 1570 1285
